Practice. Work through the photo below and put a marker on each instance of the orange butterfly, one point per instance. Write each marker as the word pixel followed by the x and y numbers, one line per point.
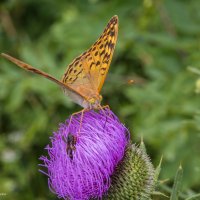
pixel 85 76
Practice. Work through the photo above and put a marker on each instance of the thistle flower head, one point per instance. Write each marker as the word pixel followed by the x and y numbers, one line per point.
pixel 134 177
pixel 84 153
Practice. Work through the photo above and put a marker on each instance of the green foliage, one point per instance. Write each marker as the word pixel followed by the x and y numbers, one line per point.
pixel 194 197
pixel 177 184
pixel 158 45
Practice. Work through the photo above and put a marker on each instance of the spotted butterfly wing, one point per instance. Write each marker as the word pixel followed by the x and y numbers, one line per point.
pixel 87 73
pixel 85 76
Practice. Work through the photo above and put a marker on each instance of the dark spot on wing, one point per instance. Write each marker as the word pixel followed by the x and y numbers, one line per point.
pixel 78 58
pixel 102 52
pixel 76 63
pixel 79 73
pixel 110 45
pixel 112 33
pixel 103 69
pixel 106 61
pixel 70 70
pixel 91 64
pixel 87 55
pixel 105 56
pixel 101 46
pixel 106 44
pixel 90 58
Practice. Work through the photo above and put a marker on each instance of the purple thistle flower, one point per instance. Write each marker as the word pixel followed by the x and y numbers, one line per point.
pixel 81 162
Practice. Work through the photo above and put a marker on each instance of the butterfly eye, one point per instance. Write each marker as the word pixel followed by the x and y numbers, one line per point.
pixel 92 100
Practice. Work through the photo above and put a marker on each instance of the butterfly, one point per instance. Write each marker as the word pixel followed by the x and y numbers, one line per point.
pixel 85 76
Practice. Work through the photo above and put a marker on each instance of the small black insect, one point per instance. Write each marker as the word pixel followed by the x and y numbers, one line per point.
pixel 71 145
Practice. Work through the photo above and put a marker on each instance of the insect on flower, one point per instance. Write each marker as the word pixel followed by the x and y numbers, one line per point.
pixel 99 149
pixel 85 76
pixel 71 142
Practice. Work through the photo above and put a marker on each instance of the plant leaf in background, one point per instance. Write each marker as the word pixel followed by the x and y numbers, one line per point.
pixel 194 197
pixel 157 41
pixel 177 184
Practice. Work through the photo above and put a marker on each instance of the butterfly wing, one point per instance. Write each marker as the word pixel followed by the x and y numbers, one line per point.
pixel 87 73
pixel 76 97
pixel 85 76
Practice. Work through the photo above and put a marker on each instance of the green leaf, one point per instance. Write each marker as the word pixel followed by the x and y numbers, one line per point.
pixel 158 169
pixel 194 70
pixel 177 184
pixel 157 193
pixel 194 197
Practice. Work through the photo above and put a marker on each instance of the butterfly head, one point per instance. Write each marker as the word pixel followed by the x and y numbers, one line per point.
pixel 95 101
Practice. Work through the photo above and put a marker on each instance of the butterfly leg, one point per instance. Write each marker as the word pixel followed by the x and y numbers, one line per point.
pixel 81 119
pixel 105 113
pixel 76 113
pixel 70 120
pixel 72 139
pixel 105 107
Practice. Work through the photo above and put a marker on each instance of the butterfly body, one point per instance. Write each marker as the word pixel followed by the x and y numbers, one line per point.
pixel 85 76
pixel 92 102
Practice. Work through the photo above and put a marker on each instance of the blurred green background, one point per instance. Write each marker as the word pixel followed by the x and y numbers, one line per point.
pixel 158 46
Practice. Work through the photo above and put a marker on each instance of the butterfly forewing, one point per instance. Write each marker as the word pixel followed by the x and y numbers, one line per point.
pixel 87 73
pixel 85 76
